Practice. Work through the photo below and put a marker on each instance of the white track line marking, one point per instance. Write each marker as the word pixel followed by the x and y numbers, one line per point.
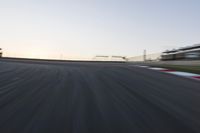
pixel 144 66
pixel 178 73
pixel 157 68
pixel 185 74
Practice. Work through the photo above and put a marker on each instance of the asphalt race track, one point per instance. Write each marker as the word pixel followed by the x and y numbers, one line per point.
pixel 85 97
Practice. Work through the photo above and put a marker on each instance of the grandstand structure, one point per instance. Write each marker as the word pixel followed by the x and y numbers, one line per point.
pixel 184 53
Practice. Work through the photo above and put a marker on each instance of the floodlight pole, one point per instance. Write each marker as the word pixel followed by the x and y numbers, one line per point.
pixel 145 55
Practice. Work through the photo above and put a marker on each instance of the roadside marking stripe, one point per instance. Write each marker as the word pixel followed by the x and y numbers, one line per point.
pixel 197 77
pixel 144 66
pixel 167 70
pixel 157 68
pixel 185 74
pixel 178 73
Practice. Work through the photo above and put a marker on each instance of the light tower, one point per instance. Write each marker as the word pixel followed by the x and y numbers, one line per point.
pixel 145 55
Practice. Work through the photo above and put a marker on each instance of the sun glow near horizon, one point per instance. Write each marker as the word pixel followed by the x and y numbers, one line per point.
pixel 39 53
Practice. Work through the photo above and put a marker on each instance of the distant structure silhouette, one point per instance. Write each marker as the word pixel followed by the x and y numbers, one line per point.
pixel 184 53
pixel 109 58
pixel 1 53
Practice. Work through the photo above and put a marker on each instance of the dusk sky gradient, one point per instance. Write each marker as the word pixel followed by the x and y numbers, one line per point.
pixel 85 28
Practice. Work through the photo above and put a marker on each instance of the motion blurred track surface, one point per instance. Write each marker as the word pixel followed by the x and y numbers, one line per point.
pixel 84 97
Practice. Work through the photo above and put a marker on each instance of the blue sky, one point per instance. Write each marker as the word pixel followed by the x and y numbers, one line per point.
pixel 84 28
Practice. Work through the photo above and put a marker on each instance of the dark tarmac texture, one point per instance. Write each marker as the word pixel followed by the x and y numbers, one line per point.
pixel 85 97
